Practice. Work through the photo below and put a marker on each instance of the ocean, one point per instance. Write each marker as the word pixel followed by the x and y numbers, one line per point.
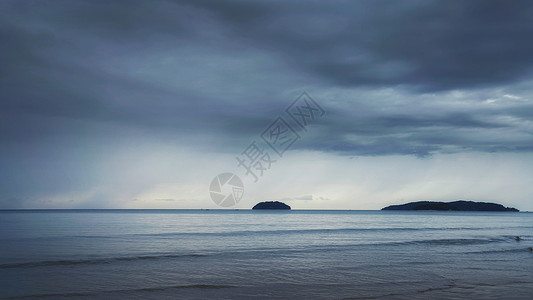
pixel 243 254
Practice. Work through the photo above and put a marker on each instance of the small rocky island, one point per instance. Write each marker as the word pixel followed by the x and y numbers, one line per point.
pixel 453 206
pixel 271 205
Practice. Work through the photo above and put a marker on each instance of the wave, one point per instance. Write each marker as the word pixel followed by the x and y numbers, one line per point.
pixel 254 251
pixel 441 242
pixel 48 263
pixel 305 231
pixel 517 250
pixel 436 242
pixel 267 232
pixel 124 291
pixel 375 245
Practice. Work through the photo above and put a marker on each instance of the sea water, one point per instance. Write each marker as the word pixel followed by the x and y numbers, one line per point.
pixel 230 254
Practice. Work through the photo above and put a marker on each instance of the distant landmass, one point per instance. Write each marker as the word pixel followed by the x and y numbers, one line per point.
pixel 454 206
pixel 271 205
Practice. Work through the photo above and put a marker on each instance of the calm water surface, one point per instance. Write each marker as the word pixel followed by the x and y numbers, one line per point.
pixel 191 254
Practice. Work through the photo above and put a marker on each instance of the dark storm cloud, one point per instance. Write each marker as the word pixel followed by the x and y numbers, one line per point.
pixel 54 65
pixel 222 69
pixel 432 45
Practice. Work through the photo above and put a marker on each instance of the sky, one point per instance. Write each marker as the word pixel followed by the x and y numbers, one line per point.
pixel 142 104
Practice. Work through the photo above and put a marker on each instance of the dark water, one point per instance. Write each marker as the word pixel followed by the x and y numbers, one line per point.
pixel 184 254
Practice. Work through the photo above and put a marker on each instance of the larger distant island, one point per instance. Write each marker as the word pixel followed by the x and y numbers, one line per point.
pixel 454 206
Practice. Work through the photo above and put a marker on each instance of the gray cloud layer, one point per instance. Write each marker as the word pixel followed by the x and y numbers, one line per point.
pixel 217 72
